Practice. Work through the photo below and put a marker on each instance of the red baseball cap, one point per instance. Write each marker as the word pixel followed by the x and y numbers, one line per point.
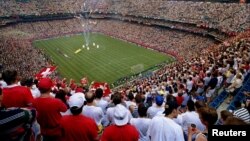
pixel 45 83
pixel 79 89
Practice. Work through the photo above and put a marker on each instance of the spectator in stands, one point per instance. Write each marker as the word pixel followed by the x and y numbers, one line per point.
pixel 235 121
pixel 48 109
pixel 142 122
pixel 134 108
pixel 191 117
pixel 211 87
pixel 199 104
pixel 29 82
pixel 99 101
pixel 208 117
pixel 164 128
pixel 224 114
pixel 117 99
pixel 2 82
pixel 130 100
pixel 236 84
pixel 247 94
pixel 15 95
pixel 77 127
pixel 121 129
pixel 241 112
pixel 200 85
pixel 179 98
pixel 206 80
pixel 61 94
pixel 92 111
pixel 16 123
pixel 156 107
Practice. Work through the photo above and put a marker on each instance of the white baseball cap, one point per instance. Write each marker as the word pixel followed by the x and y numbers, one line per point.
pixel 76 100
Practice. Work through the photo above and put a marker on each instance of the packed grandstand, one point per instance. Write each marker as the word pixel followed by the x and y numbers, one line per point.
pixel 208 84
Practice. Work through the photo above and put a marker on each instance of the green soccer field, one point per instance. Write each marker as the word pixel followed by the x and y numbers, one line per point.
pixel 112 60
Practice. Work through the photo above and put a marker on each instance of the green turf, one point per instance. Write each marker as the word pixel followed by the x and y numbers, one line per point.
pixel 111 61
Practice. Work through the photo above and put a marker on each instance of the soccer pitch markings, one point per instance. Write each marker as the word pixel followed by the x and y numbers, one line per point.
pixel 111 61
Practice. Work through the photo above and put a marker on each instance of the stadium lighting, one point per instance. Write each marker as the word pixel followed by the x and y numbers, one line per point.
pixel 83 46
pixel 97 46
pixel 87 48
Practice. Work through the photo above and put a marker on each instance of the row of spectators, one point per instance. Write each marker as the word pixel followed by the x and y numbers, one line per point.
pixel 221 63
pixel 20 55
pixel 222 16
pixel 41 110
pixel 229 18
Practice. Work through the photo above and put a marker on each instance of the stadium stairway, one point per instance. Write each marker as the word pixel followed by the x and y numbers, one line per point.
pixel 217 101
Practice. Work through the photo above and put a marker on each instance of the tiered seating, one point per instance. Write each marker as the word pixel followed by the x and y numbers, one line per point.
pixel 240 95
pixel 219 99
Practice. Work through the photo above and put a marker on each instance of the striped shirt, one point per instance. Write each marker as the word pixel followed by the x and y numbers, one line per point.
pixel 243 114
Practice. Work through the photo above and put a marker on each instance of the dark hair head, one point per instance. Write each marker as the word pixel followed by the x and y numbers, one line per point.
pixel 117 98
pixel 170 106
pixel 225 114
pixel 234 121
pixel 9 76
pixel 208 74
pixel 138 98
pixel 35 81
pixel 61 95
pixel 199 104
pixel 75 110
pixel 131 96
pixel 208 115
pixel 22 82
pixel 89 97
pixel 190 105
pixel 27 82
pixel 0 91
pixel 99 93
pixel 142 110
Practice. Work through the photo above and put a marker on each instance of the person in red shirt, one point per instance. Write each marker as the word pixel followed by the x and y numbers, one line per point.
pixel 179 98
pixel 15 95
pixel 48 109
pixel 121 130
pixel 77 127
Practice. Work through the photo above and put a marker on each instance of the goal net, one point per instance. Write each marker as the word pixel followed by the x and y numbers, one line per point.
pixel 137 68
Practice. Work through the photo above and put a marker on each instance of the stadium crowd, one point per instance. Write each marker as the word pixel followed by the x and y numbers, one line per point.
pixel 227 17
pixel 172 104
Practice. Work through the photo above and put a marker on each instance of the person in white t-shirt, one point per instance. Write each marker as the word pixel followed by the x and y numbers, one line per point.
pixel 191 117
pixel 208 117
pixel 142 123
pixel 189 84
pixel 156 107
pixel 92 111
pixel 99 101
pixel 164 128
pixel 130 100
